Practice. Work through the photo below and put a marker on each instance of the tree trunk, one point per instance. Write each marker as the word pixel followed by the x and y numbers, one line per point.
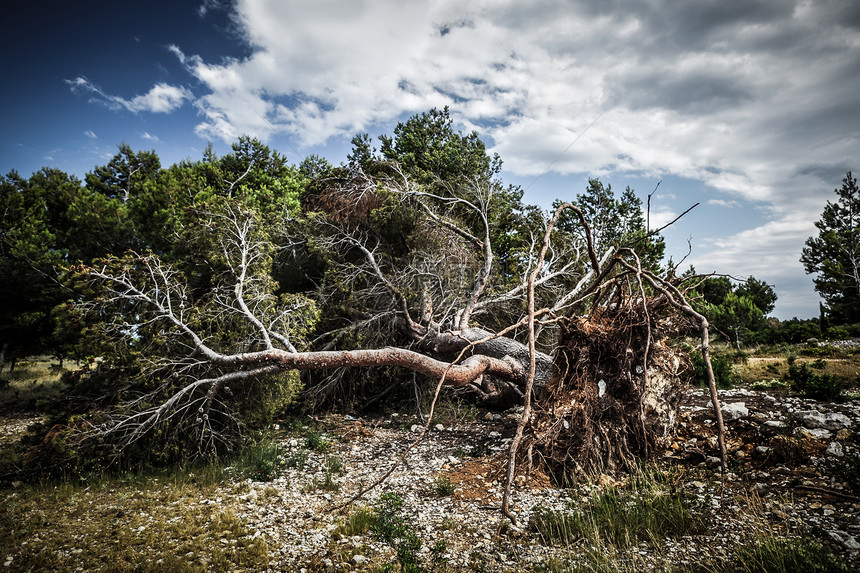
pixel 446 344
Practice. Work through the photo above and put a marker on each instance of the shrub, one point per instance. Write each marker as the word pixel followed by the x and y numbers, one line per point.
pixel 393 529
pixel 721 366
pixel 316 441
pixel 816 386
pixel 442 486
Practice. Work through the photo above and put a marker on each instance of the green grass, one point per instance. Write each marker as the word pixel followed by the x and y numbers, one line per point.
pixel 359 522
pixel 648 510
pixel 260 460
pixel 772 371
pixel 442 486
pixel 773 554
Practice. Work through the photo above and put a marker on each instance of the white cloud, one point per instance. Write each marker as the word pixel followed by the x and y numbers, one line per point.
pixel 149 137
pixel 91 134
pixel 162 98
pixel 727 203
pixel 756 100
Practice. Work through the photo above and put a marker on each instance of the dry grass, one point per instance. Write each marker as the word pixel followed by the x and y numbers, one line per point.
pixel 33 380
pixel 764 369
pixel 148 524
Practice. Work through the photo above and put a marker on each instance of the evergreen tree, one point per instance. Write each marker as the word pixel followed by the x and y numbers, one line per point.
pixel 834 255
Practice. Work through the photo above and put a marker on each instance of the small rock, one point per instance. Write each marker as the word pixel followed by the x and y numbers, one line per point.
pixel 439 427
pixel 735 411
pixel 843 434
pixel 762 450
pixel 713 461
pixel 358 559
pixel 774 424
pixel 815 433
pixel 740 454
pixel 830 421
pixel 834 449
pixel 761 488
pixel 415 429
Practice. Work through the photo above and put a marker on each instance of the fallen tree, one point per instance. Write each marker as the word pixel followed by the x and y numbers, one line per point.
pixel 603 395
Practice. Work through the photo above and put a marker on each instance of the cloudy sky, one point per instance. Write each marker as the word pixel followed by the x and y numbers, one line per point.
pixel 751 109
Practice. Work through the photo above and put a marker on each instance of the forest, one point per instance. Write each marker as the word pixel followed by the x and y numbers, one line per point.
pixel 189 308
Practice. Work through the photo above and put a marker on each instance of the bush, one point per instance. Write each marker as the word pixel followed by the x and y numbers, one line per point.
pixel 393 529
pixel 721 366
pixel 260 460
pixel 816 386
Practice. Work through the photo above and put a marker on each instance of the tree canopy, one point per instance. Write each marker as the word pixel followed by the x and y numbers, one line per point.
pixel 834 255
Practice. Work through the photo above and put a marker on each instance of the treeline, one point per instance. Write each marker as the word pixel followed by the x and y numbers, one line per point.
pixel 53 221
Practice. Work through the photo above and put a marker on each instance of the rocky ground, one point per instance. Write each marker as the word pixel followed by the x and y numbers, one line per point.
pixel 790 485
pixel 793 464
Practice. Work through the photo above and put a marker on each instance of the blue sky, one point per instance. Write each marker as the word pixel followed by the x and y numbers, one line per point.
pixel 751 109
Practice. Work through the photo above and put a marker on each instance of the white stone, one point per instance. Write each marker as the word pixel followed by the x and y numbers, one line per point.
pixel 358 559
pixel 774 424
pixel 815 433
pixel 834 449
pixel 829 421
pixel 735 411
pixel 439 427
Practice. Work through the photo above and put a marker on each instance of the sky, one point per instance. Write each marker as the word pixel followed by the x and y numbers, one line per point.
pixel 750 109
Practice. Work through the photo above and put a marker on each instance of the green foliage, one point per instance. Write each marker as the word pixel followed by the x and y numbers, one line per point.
pixel 816 386
pixel 737 315
pixel 759 293
pixel 834 255
pixel 316 441
pixel 260 460
pixel 736 311
pixel 443 486
pixel 391 527
pixel 721 365
pixel 427 147
pixel 612 221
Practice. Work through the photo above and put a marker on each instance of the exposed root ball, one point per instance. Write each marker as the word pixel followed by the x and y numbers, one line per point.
pixel 615 392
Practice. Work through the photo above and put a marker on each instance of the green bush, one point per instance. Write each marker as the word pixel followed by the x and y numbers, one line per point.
pixel 816 386
pixel 392 528
pixel 260 460
pixel 721 366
